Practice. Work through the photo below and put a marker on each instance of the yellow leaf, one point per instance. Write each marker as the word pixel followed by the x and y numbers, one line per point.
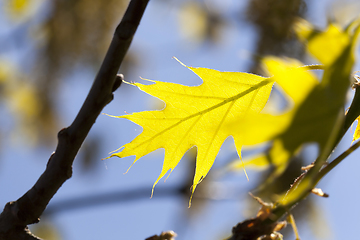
pixel 196 116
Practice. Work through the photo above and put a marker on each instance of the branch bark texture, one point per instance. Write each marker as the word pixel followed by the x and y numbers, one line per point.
pixel 28 208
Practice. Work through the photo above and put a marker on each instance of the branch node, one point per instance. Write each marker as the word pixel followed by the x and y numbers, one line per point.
pixel 118 80
pixel 63 133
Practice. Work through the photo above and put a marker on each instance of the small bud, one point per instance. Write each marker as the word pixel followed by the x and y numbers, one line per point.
pixel 118 80
pixel 319 192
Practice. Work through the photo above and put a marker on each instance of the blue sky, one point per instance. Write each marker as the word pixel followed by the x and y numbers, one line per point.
pixel 156 42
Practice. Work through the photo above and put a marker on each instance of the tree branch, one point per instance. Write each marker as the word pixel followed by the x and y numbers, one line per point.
pixel 27 209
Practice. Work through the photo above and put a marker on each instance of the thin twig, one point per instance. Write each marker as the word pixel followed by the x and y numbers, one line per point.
pixel 336 161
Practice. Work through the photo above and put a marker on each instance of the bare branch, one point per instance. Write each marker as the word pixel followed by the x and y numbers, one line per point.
pixel 27 209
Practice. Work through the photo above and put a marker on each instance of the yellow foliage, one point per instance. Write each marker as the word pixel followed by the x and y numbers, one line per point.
pixel 20 10
pixel 6 70
pixel 197 116
pixel 25 101
pixel 296 81
pixel 325 46
pixel 22 100
pixel 230 104
pixel 18 6
pixel 193 21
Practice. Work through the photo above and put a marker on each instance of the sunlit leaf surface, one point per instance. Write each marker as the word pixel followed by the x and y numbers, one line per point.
pixel 197 116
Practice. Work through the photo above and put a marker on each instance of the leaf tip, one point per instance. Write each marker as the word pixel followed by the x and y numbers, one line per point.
pixel 144 79
pixel 152 192
pixel 153 187
pixel 179 61
pixel 247 176
pixel 192 189
pixel 129 167
pixel 116 150
pixel 112 154
pixel 243 165
pixel 113 116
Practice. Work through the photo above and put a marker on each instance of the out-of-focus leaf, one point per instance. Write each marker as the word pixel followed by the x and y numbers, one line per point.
pixel 6 69
pixel 24 104
pixel 16 7
pixel 192 20
pixel 316 105
pixel 297 82
pixel 199 22
pixel 46 231
pixel 24 101
pixel 324 46
pixel 21 10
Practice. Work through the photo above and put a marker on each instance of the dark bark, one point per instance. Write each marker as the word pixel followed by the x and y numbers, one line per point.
pixel 27 209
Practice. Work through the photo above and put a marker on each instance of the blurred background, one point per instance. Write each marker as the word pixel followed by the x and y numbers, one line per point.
pixel 50 52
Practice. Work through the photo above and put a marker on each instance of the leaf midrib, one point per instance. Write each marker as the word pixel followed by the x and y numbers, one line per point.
pixel 234 98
